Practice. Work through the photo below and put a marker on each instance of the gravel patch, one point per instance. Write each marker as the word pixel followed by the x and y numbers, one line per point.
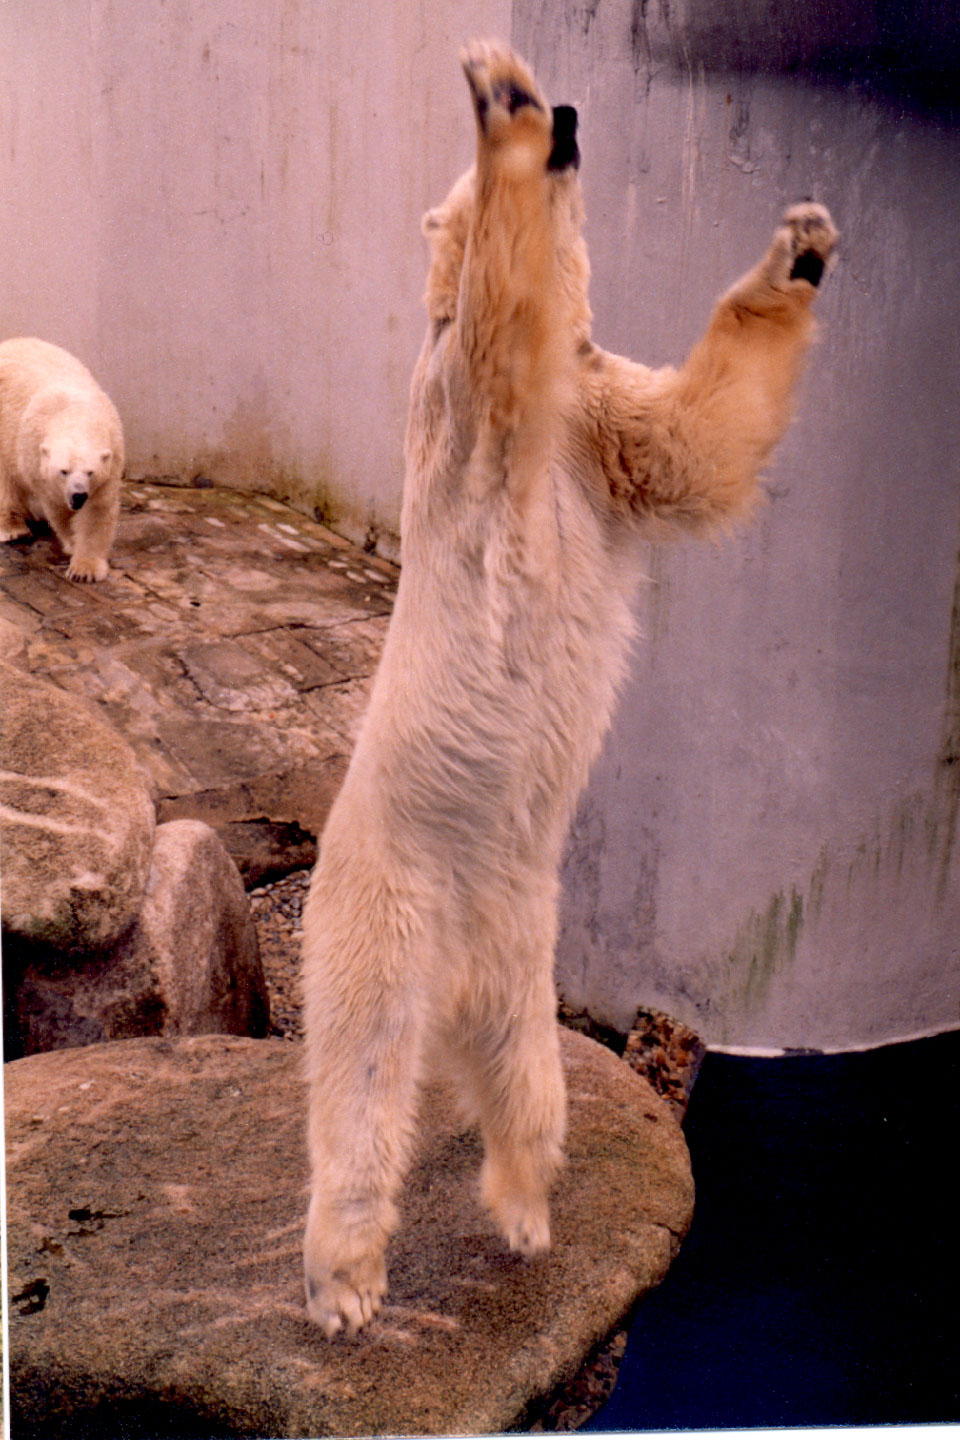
pixel 277 910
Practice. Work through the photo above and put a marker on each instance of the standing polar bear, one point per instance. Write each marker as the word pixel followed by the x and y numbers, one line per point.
pixel 534 461
pixel 61 453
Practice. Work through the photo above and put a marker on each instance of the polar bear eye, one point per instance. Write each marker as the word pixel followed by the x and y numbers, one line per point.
pixel 89 474
pixel 64 473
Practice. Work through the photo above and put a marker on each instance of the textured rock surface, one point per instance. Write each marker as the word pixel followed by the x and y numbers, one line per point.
pixel 188 965
pixel 196 934
pixel 13 645
pixel 156 1200
pixel 76 820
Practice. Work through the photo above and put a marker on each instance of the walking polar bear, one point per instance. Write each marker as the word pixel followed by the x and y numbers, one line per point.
pixel 61 454
pixel 534 461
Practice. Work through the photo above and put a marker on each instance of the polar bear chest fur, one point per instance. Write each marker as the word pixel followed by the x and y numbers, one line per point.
pixel 499 672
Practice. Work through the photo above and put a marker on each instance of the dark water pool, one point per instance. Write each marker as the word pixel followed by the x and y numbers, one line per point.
pixel 820 1283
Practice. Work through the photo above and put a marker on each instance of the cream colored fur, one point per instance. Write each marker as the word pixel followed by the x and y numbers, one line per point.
pixel 60 441
pixel 534 463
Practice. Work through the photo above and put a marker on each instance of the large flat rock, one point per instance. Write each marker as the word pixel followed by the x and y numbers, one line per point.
pixel 156 1195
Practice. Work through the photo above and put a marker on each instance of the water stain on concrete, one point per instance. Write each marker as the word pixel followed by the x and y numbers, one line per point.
pixel 946 785
pixel 766 944
pixel 898 867
pixel 909 851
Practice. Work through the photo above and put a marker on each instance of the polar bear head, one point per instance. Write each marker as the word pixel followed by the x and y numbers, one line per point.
pixel 76 459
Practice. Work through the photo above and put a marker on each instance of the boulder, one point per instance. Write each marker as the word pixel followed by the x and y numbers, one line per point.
pixel 188 965
pixel 197 935
pixel 156 1193
pixel 76 820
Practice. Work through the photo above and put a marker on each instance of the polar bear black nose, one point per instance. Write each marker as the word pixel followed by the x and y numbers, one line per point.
pixel 78 499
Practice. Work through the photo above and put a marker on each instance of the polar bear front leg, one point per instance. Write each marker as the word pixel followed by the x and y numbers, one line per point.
pixel 508 316
pixel 683 447
pixel 89 538
pixel 87 567
pixel 733 396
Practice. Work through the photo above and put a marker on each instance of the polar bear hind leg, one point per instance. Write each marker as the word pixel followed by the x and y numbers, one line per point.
pixel 501 1053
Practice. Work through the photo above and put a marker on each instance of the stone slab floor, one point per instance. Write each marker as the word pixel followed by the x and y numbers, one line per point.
pixel 232 645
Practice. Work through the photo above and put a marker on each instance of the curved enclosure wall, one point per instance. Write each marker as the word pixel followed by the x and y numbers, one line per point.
pixel 767 848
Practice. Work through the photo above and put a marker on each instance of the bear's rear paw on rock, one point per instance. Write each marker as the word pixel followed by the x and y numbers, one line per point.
pixel 520 1208
pixel 525 1225
pixel 346 1298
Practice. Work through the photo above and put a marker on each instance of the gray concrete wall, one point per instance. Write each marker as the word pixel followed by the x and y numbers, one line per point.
pixel 216 205
pixel 767 846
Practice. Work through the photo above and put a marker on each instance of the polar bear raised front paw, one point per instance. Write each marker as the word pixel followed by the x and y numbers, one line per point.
pixel 507 99
pixel 803 246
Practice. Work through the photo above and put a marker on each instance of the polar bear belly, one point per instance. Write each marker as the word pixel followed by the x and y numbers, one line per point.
pixel 494 694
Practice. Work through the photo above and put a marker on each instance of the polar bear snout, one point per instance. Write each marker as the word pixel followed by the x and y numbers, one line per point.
pixel 75 480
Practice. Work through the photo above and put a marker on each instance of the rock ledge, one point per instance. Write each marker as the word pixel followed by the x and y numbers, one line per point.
pixel 156 1193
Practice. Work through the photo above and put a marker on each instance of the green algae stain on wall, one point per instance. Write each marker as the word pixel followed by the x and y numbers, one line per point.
pixel 946 785
pixel 766 945
pixel 895 869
